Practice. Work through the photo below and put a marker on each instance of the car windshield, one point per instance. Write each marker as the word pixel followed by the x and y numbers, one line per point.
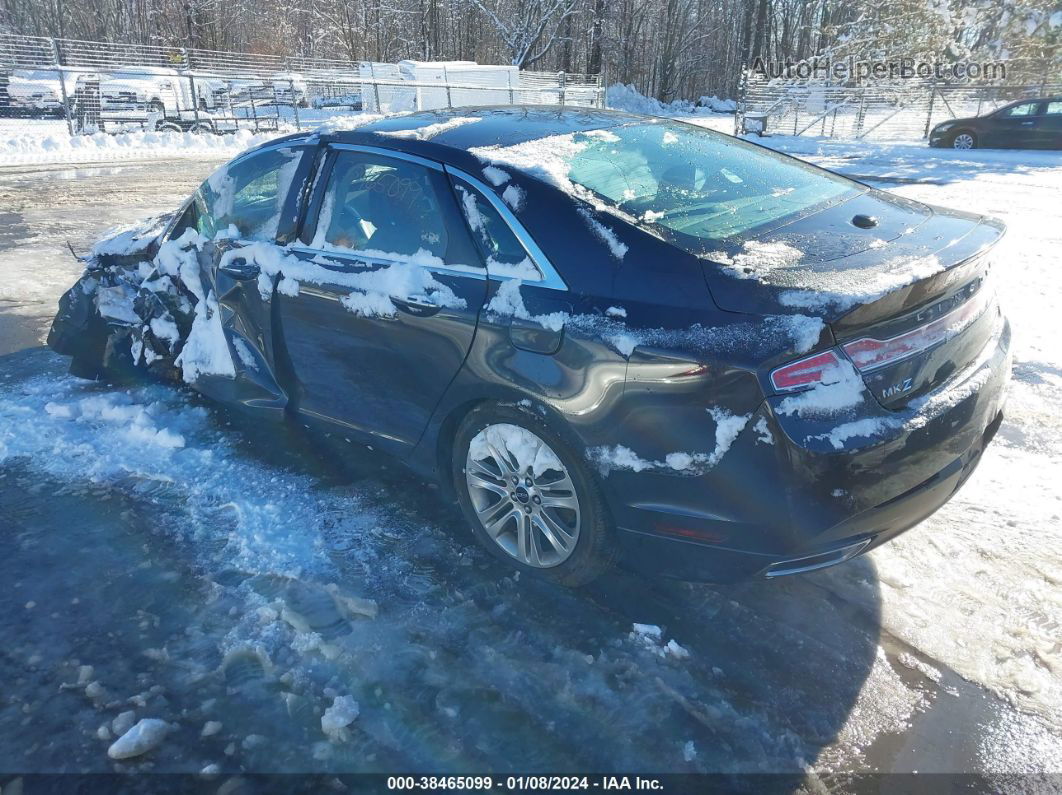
pixel 697 187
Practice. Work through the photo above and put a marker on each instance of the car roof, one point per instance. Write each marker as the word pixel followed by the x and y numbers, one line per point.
pixel 501 125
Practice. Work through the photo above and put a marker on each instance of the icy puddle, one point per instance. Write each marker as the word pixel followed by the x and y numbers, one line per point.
pixel 266 609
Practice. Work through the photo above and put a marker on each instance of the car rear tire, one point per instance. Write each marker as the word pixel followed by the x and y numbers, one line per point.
pixel 529 497
pixel 964 139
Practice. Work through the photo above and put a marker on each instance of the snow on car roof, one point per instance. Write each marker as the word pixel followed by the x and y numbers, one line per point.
pixel 502 125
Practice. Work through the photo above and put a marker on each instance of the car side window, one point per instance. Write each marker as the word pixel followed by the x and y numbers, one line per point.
pixel 1025 109
pixel 390 209
pixel 1054 109
pixel 501 249
pixel 248 194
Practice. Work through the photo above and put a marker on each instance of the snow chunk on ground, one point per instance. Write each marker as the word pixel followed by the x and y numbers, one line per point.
pixel 647 629
pixel 342 713
pixel 143 737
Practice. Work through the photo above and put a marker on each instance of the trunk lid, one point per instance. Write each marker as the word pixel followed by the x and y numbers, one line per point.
pixel 906 298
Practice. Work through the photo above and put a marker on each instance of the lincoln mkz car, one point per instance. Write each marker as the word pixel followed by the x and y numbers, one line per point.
pixel 607 336
pixel 1028 124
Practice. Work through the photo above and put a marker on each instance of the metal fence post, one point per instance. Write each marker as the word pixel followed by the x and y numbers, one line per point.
pixel 446 80
pixel 929 115
pixel 563 81
pixel 294 103
pixel 62 88
pixel 509 80
pixel 375 87
pixel 195 101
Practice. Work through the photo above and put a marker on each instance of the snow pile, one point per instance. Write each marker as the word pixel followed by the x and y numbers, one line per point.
pixel 508 302
pixel 841 387
pixel 373 290
pixel 844 288
pixel 521 449
pixel 429 131
pixel 758 259
pixel 800 332
pixel 605 234
pixel 548 158
pixel 524 269
pixel 28 148
pixel 868 428
pixel 727 428
pixel 628 98
pixel 131 238
pixel 206 351
pixel 134 422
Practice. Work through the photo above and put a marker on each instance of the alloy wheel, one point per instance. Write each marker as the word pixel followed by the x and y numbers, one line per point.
pixel 963 141
pixel 523 495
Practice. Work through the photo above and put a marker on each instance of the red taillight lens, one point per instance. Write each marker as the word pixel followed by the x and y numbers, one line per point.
pixel 869 353
pixel 805 372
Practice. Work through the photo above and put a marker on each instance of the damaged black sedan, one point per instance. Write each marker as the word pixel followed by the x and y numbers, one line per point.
pixel 609 336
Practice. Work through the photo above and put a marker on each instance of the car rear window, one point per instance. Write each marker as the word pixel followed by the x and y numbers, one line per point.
pixel 697 187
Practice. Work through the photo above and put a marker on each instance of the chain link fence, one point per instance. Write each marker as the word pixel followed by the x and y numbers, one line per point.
pixel 884 112
pixel 50 86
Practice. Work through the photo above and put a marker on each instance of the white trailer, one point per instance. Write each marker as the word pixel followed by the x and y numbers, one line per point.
pixel 481 84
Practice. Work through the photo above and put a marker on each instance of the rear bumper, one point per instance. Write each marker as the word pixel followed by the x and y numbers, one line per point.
pixel 807 505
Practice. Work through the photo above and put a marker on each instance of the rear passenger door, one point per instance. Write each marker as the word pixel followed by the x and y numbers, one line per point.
pixel 1014 127
pixel 1051 125
pixel 381 311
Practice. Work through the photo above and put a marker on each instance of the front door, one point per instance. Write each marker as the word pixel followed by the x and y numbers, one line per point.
pixel 380 312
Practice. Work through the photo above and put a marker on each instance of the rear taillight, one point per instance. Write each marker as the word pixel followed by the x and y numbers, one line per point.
pixel 805 372
pixel 869 353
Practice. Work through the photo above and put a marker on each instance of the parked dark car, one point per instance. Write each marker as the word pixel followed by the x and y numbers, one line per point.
pixel 605 334
pixel 1027 124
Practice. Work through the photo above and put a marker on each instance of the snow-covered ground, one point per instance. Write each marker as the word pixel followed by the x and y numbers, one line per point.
pixel 248 590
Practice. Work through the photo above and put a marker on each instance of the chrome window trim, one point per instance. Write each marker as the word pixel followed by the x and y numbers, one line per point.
pixel 383 152
pixel 353 258
pixel 550 278
pixel 166 236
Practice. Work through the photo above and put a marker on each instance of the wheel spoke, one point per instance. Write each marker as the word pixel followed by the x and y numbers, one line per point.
pixel 479 481
pixel 556 541
pixel 562 534
pixel 477 467
pixel 497 524
pixel 570 502
pixel 504 464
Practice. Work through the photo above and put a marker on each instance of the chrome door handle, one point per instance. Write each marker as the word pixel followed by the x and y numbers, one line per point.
pixel 241 270
pixel 419 307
